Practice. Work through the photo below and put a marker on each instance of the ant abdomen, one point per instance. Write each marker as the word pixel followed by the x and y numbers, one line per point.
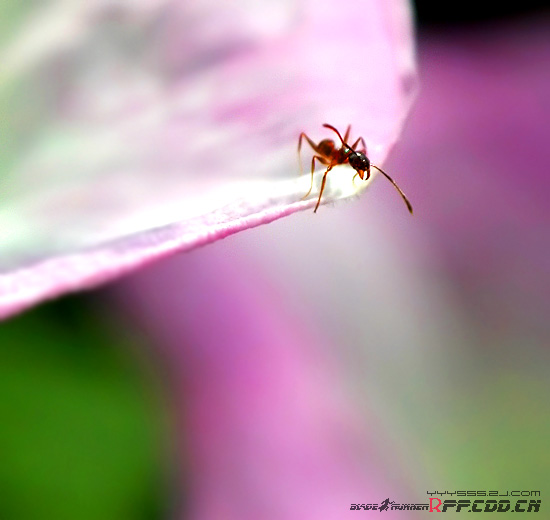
pixel 326 147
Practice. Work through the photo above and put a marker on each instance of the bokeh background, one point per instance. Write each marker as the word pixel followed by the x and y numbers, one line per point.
pixel 422 341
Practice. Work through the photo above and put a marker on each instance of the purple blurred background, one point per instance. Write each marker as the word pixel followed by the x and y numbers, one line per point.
pixel 434 328
pixel 343 357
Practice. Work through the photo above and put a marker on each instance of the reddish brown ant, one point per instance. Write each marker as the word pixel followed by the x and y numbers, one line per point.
pixel 327 153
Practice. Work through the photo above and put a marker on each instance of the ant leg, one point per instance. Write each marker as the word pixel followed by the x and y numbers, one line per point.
pixel 362 141
pixel 322 188
pixel 310 142
pixel 320 159
pixel 347 133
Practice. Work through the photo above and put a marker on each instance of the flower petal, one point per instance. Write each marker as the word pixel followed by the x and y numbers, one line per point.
pixel 137 130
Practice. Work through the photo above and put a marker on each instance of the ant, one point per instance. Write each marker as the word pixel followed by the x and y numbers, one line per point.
pixel 327 153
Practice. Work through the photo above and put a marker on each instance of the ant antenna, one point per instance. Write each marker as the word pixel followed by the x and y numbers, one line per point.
pixel 404 197
pixel 341 139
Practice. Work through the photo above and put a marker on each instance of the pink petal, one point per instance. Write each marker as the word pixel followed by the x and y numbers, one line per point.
pixel 141 131
pixel 238 338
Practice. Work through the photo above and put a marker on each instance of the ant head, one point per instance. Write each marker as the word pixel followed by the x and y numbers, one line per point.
pixel 359 162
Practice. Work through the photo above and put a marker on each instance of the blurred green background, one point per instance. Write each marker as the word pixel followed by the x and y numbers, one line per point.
pixel 82 428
